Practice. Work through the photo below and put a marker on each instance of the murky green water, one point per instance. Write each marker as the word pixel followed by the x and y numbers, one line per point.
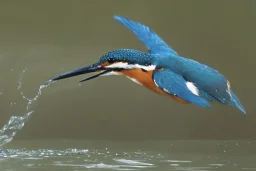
pixel 133 155
pixel 39 39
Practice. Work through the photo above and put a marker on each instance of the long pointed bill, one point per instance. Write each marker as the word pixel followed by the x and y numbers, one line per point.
pixel 79 71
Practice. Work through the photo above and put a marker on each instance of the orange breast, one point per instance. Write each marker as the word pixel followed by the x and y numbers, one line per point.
pixel 146 79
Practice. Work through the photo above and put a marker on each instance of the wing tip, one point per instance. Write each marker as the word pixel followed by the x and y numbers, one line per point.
pixel 119 18
pixel 236 103
pixel 200 102
pixel 241 108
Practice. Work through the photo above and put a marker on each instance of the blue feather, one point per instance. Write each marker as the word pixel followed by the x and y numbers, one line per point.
pixel 175 85
pixel 172 71
pixel 209 81
pixel 212 85
pixel 152 41
pixel 236 103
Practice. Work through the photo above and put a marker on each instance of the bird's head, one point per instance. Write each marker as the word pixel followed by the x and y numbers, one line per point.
pixel 113 62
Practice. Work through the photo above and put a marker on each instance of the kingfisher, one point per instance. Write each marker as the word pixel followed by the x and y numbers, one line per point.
pixel 162 70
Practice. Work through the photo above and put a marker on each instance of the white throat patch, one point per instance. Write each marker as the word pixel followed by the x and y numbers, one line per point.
pixel 125 65
pixel 131 66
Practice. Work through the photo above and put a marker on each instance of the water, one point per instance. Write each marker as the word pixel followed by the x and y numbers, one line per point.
pixel 135 155
pixel 116 155
pixel 52 37
pixel 16 123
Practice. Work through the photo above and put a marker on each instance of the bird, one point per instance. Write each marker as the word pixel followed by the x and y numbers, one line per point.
pixel 162 70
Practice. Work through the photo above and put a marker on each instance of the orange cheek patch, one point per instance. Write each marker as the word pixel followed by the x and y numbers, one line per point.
pixel 104 64
pixel 146 79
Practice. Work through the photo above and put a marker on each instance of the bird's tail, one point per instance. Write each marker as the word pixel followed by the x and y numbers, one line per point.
pixel 236 103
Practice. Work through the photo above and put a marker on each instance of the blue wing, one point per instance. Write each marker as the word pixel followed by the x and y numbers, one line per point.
pixel 236 103
pixel 152 41
pixel 212 85
pixel 176 85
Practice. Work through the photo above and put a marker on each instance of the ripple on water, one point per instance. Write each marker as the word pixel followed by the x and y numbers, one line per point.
pixel 80 159
pixel 178 161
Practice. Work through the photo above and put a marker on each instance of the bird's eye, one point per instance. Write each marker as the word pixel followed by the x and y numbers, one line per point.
pixel 110 60
pixel 143 70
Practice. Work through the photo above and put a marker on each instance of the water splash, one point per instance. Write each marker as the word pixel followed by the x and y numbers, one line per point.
pixel 16 123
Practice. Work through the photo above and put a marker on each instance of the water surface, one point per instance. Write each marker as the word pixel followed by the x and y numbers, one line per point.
pixel 42 39
pixel 129 155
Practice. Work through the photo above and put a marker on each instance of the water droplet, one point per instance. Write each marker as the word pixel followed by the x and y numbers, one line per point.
pixel 16 123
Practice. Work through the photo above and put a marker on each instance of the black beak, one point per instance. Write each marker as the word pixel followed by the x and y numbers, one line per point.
pixel 80 71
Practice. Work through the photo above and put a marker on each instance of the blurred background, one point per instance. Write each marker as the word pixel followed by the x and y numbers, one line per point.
pixel 51 37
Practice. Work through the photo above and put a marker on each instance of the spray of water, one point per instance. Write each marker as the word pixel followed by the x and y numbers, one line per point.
pixel 16 123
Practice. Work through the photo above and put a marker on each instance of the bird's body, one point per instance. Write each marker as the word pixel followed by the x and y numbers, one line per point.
pixel 163 71
pixel 140 76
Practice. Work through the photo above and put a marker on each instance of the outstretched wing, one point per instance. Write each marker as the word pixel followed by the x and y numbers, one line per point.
pixel 176 85
pixel 152 41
